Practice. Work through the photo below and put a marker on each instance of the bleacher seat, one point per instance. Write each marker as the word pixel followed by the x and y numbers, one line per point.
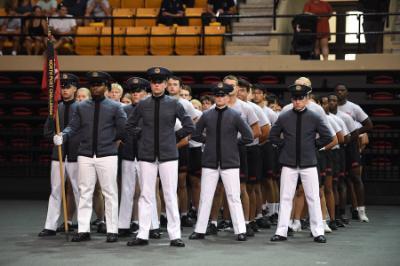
pixel 4 80
pixel 20 143
pixel 213 45
pixel 27 80
pixel 21 111
pixel 105 42
pixel 132 3
pixel 43 111
pixel 187 45
pixel 124 12
pixel 200 3
pixel 115 3
pixel 382 96
pixel 268 79
pixel 87 45
pixel 194 12
pixel 137 45
pixel 211 79
pixel 20 95
pixel 2 96
pixel 152 3
pixel 146 16
pixel 188 80
pixel 162 45
pixel 382 112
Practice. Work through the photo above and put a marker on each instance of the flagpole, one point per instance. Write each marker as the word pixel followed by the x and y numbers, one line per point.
pixel 59 147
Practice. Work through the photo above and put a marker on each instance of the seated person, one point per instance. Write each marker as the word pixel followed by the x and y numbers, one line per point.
pixel 171 13
pixel 216 8
pixel 24 7
pixel 76 8
pixel 60 28
pixel 37 30
pixel 97 8
pixel 49 7
pixel 10 26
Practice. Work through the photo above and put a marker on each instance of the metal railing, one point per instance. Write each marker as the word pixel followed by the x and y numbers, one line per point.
pixel 274 16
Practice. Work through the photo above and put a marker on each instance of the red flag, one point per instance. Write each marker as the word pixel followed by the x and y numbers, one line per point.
pixel 51 79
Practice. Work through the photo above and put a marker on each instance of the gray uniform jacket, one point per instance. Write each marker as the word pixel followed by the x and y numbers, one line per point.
pixel 69 148
pixel 101 123
pixel 298 146
pixel 152 123
pixel 128 149
pixel 221 140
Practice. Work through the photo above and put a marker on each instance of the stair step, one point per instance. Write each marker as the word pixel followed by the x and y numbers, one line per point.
pixel 251 39
pixel 252 27
pixel 233 49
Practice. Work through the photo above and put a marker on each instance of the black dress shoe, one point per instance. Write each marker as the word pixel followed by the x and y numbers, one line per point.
pixel 192 214
pixel 134 227
pixel 278 238
pixel 122 232
pixel 177 243
pixel 320 239
pixel 354 215
pixel 195 236
pixel 138 242
pixel 79 237
pixel 155 234
pixel 163 221
pixel 332 225
pixel 61 228
pixel 249 230
pixel 263 222
pixel 112 238
pixel 186 221
pixel 47 232
pixel 339 223
pixel 102 228
pixel 211 229
pixel 254 226
pixel 241 237
pixel 290 231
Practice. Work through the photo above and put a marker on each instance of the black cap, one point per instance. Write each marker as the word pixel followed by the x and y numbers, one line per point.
pixel 98 76
pixel 299 90
pixel 67 79
pixel 220 89
pixel 158 74
pixel 136 84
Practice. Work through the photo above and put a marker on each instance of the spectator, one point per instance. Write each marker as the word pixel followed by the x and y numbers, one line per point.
pixel 37 30
pixel 49 7
pixel 206 101
pixel 62 26
pixel 374 42
pixel 116 92
pixel 10 26
pixel 24 7
pixel 172 12
pixel 216 8
pixel 76 8
pixel 98 8
pixel 126 99
pixel 318 7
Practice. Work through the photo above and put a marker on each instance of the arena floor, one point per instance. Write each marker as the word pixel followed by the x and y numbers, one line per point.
pixel 376 243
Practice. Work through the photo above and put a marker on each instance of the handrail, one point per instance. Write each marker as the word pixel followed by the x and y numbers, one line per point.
pixel 274 16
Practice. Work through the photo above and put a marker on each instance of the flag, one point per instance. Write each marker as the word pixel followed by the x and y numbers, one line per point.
pixel 51 79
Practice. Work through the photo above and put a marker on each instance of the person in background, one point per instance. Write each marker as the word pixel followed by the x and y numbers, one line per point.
pixel 186 92
pixel 196 104
pixel 83 94
pixel 216 8
pixel 37 29
pixel 116 92
pixel 10 26
pixel 62 26
pixel 126 99
pixel 24 7
pixel 49 7
pixel 76 8
pixel 172 12
pixel 206 101
pixel 98 9
pixel 323 9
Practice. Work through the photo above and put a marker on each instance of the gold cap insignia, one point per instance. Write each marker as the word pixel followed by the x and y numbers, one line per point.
pixel 299 88
pixel 135 81
pixel 95 74
pixel 220 85
pixel 157 70
pixel 65 76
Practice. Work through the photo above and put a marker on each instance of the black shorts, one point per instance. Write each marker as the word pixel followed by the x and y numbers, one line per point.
pixel 335 163
pixel 195 161
pixel 268 160
pixel 243 163
pixel 322 160
pixel 183 158
pixel 254 164
pixel 342 162
pixel 353 158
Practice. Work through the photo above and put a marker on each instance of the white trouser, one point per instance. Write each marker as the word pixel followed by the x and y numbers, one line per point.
pixel 231 181
pixel 309 180
pixel 129 171
pixel 169 181
pixel 54 209
pixel 105 169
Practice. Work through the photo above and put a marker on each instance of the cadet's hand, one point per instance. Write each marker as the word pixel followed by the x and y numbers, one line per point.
pixel 58 139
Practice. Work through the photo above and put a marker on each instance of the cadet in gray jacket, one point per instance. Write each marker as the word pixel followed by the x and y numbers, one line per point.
pixel 298 157
pixel 66 108
pixel 153 122
pixel 221 158
pixel 101 122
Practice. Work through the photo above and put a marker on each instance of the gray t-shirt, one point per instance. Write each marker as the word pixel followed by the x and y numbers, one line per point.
pixel 189 108
pixel 262 119
pixel 272 116
pixel 97 11
pixel 335 127
pixel 355 111
pixel 348 121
